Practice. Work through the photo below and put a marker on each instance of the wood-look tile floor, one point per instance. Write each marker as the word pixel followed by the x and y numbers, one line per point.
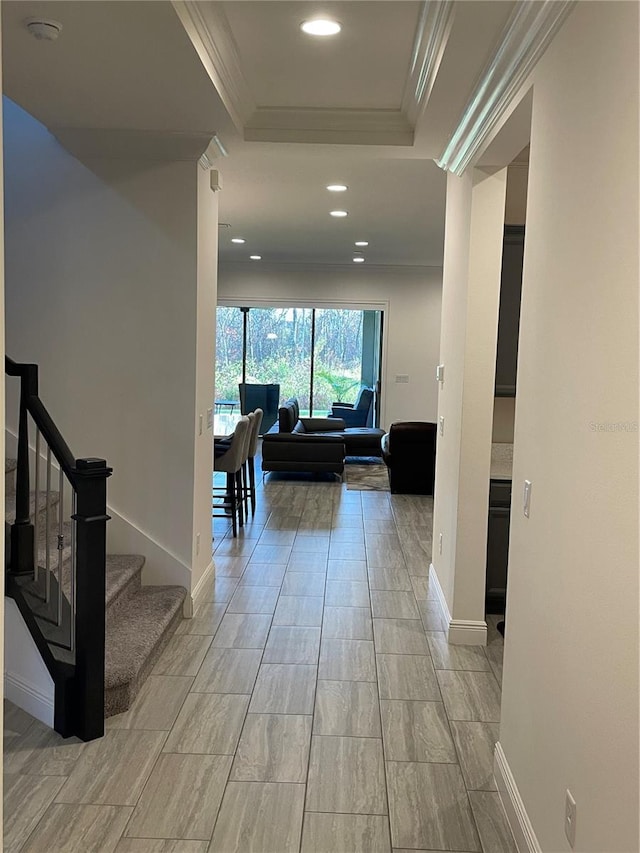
pixel 311 705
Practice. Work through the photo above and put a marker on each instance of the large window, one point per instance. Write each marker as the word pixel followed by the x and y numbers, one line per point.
pixel 320 356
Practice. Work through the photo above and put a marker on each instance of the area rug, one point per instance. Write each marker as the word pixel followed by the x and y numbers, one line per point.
pixel 367 478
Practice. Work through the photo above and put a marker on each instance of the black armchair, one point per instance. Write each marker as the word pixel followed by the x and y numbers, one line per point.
pixel 409 451
pixel 356 414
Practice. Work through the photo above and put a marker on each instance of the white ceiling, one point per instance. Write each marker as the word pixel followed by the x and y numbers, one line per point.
pixel 132 66
pixel 365 67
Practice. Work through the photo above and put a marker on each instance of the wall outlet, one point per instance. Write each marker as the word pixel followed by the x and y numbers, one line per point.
pixel 197 543
pixel 440 544
pixel 402 378
pixel 441 422
pixel 526 503
pixel 570 819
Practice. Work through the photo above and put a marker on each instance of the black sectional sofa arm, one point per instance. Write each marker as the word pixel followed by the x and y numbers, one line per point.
pixel 302 438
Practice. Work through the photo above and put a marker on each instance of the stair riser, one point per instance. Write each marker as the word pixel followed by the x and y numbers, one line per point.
pixel 119 699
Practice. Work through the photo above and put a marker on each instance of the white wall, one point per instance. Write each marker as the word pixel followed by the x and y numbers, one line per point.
pixel 102 292
pixel 570 686
pixel 27 682
pixel 411 299
pixel 205 360
pixel 471 288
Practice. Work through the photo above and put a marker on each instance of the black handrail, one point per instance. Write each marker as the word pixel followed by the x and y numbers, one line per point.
pixel 79 707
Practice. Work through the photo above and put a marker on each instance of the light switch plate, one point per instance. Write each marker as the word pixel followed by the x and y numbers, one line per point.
pixel 441 422
pixel 402 378
pixel 440 373
pixel 199 424
pixel 527 497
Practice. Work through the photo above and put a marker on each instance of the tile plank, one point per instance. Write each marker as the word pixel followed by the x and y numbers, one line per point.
pixel 259 817
pixel 346 774
pixel 273 748
pixel 181 798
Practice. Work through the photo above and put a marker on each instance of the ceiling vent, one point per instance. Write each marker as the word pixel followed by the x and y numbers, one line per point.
pixel 43 29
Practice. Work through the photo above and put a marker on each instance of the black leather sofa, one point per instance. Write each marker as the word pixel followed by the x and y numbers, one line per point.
pixel 314 444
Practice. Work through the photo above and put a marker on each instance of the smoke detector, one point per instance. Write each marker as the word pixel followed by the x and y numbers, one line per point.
pixel 43 29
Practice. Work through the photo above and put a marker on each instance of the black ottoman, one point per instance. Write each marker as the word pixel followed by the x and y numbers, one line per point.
pixel 363 441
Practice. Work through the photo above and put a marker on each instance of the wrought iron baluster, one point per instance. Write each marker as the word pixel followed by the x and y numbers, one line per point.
pixel 47 563
pixel 60 543
pixel 72 639
pixel 36 520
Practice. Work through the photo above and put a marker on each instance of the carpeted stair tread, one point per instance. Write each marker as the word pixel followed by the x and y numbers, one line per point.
pixel 10 504
pixel 122 570
pixel 136 635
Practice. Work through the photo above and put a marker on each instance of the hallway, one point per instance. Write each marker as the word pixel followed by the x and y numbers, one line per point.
pixel 311 704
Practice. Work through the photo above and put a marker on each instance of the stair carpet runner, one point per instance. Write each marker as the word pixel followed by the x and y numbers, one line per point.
pixel 140 620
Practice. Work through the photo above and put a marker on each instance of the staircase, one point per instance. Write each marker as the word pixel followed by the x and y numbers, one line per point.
pixel 99 649
pixel 139 620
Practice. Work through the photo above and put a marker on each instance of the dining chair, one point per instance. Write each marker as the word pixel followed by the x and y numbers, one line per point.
pixel 249 470
pixel 232 463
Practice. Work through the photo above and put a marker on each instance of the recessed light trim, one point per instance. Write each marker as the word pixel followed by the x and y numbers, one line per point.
pixel 238 240
pixel 339 214
pixel 361 243
pixel 337 188
pixel 320 27
pixel 255 257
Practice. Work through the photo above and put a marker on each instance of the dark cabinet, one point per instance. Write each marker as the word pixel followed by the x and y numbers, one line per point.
pixel 498 545
pixel 509 315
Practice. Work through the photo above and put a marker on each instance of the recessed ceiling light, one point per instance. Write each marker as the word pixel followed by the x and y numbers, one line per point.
pixel 337 188
pixel 339 213
pixel 361 243
pixel 255 257
pixel 320 27
pixel 238 240
pixel 358 259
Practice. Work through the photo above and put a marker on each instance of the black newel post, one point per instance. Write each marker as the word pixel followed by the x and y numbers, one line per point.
pixel 91 519
pixel 22 529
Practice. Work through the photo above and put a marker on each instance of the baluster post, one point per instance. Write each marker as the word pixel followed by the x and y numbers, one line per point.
pixel 22 530
pixel 91 519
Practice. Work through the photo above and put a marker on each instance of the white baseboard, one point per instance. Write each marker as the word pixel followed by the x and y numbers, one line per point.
pixel 517 817
pixel 466 632
pixel 440 598
pixel 460 632
pixel 197 590
pixel 29 697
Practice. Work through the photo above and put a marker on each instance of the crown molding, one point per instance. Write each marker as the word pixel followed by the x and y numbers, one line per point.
pixel 527 34
pixel 114 144
pixel 334 126
pixel 208 28
pixel 432 35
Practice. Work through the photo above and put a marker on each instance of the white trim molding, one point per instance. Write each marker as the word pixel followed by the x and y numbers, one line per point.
pixel 326 125
pixel 208 28
pixel 29 697
pixel 466 632
pixel 527 34
pixel 517 817
pixel 440 597
pixel 432 35
pixel 198 589
pixel 460 632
